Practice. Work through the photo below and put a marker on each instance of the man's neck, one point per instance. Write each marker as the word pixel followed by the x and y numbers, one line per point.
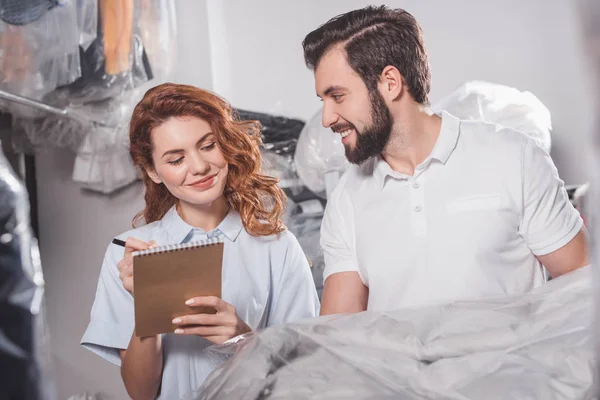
pixel 413 137
pixel 206 216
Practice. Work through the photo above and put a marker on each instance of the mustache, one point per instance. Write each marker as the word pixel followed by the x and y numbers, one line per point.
pixel 337 128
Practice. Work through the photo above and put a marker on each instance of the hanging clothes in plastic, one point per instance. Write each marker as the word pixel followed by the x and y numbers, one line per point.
pixel 123 49
pixel 24 352
pixel 38 49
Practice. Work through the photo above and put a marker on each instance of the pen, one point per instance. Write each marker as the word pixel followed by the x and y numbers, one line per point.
pixel 119 242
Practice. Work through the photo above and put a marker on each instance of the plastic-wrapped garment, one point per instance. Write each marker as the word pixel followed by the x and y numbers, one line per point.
pixel 103 167
pixel 280 134
pixel 303 219
pixel 501 105
pixel 281 167
pixel 40 55
pixel 590 18
pixel 100 104
pixel 87 22
pixel 24 352
pixel 319 156
pixel 537 345
pixel 116 61
pixel 23 12
pixel 103 163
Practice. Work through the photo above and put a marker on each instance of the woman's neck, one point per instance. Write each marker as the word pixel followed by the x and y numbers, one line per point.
pixel 206 216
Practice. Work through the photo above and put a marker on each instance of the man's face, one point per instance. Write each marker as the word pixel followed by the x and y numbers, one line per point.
pixel 360 117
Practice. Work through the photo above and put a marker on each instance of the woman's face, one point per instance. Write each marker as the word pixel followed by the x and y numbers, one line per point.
pixel 188 161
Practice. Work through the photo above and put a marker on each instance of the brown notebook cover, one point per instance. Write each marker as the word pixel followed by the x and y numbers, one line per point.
pixel 165 277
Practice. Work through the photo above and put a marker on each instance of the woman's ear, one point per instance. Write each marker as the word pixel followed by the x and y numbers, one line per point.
pixel 153 175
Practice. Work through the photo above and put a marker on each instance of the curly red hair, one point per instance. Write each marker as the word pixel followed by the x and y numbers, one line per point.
pixel 257 197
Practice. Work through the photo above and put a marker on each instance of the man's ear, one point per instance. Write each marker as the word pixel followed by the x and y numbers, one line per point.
pixel 391 83
pixel 153 175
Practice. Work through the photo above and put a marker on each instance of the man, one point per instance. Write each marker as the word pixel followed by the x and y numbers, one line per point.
pixel 434 209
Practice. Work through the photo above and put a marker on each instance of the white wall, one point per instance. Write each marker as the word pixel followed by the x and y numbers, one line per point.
pixel 531 45
pixel 254 58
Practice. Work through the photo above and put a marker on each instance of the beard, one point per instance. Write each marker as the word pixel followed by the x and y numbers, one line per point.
pixel 372 140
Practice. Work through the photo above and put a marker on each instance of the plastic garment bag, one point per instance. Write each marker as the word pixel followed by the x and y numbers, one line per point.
pixel 537 345
pixel 38 48
pixel 590 18
pixel 132 50
pixel 501 105
pixel 319 156
pixel 24 351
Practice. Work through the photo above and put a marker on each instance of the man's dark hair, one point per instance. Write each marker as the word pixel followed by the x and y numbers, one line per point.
pixel 373 38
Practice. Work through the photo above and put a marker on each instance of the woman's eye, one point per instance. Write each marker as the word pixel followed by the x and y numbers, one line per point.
pixel 176 162
pixel 210 146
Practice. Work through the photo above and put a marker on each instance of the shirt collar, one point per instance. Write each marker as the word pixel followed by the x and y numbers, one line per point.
pixel 447 139
pixel 179 230
pixel 443 148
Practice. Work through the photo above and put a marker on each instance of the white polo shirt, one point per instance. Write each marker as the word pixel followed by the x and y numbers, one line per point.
pixel 467 225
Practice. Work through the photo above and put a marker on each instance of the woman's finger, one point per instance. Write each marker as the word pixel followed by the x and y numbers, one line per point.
pixel 205 331
pixel 134 244
pixel 205 319
pixel 210 301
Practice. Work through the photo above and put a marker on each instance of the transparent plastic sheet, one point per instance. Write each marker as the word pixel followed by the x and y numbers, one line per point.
pixel 502 105
pixel 318 153
pixel 537 345
pixel 303 219
pixel 280 135
pixel 87 22
pixel 100 103
pixel 589 12
pixel 40 55
pixel 24 345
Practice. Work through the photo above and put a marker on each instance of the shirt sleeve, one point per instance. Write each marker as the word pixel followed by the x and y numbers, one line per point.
pixel 337 236
pixel 549 220
pixel 112 319
pixel 295 295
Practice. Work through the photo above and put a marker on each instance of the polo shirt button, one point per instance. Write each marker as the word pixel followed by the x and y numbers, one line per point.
pixel 416 184
pixel 417 208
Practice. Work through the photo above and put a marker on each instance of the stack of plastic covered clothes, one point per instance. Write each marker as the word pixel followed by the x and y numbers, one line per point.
pixel 24 351
pixel 305 208
pixel 94 59
pixel 534 346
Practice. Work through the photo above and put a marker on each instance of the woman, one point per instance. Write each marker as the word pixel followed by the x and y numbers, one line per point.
pixel 201 172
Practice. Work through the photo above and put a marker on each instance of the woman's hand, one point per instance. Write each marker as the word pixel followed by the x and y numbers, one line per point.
pixel 217 328
pixel 125 266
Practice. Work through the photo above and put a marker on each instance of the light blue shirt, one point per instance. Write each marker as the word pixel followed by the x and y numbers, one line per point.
pixel 267 279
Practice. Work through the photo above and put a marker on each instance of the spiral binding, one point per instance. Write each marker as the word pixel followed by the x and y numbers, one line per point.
pixel 177 247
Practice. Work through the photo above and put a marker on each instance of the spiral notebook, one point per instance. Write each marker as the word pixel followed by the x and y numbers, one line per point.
pixel 165 277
